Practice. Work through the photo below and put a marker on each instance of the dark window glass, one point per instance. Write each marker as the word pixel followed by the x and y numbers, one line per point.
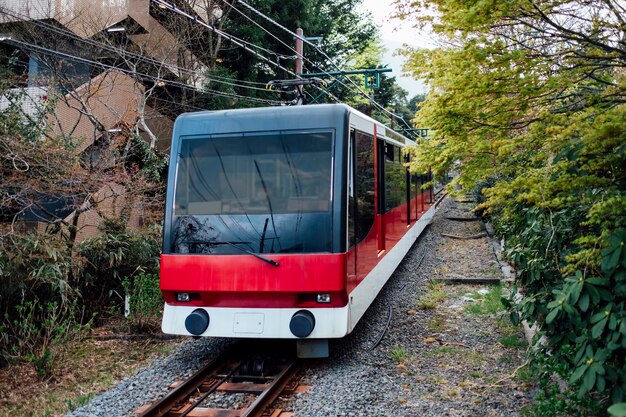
pixel 391 153
pixel 414 184
pixel 261 193
pixel 364 185
pixel 395 179
pixel 280 173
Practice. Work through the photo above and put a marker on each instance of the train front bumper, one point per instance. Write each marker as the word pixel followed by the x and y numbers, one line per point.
pixel 261 323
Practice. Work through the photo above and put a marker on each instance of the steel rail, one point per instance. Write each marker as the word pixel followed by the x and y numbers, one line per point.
pixel 272 392
pixel 161 407
pixel 219 371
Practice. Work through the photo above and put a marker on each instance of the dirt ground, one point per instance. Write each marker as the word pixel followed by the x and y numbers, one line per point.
pixel 80 370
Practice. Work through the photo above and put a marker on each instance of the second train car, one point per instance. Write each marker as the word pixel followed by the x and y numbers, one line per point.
pixel 284 222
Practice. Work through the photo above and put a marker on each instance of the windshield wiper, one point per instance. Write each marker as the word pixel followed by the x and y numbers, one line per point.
pixel 234 245
pixel 262 243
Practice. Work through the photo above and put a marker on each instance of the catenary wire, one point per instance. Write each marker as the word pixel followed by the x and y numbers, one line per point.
pixel 269 19
pixel 239 42
pixel 141 58
pixel 148 76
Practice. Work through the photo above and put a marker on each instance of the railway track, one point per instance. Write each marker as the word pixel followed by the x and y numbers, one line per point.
pixel 254 381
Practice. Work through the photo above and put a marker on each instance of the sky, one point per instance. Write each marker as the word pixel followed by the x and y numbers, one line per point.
pixel 394 34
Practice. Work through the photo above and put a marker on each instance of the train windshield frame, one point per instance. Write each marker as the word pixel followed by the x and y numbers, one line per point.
pixel 264 192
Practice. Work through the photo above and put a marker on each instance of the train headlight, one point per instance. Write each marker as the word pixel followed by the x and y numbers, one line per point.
pixel 323 298
pixel 183 297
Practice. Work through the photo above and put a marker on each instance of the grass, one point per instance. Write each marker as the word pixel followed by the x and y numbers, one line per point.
pixel 486 304
pixel 399 354
pixel 79 401
pixel 476 374
pixel 513 341
pixel 447 350
pixel 433 296
pixel 81 371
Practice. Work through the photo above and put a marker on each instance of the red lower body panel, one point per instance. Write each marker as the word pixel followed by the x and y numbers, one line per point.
pixel 246 281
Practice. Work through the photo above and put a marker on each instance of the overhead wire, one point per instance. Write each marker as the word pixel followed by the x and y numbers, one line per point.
pixel 237 41
pixel 131 72
pixel 140 58
pixel 316 47
pixel 288 47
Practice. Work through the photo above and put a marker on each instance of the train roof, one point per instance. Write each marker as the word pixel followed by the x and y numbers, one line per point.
pixel 273 118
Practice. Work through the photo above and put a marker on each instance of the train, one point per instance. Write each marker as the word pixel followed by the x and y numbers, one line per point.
pixel 285 222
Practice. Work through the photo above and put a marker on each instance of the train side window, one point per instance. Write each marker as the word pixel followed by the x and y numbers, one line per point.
pixel 390 153
pixel 395 178
pixel 364 185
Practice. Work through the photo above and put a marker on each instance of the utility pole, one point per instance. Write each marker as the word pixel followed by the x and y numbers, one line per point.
pixel 299 48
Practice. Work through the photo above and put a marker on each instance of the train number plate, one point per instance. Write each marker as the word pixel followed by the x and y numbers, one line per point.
pixel 248 323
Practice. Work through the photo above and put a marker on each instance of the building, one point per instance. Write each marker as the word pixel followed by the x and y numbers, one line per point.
pixel 102 72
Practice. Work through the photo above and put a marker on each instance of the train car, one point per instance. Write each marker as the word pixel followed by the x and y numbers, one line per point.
pixel 284 222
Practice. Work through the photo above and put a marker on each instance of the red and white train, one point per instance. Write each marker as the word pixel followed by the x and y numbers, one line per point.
pixel 284 222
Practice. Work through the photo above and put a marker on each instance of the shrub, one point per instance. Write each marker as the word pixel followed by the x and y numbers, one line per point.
pixel 117 253
pixel 145 299
pixel 29 333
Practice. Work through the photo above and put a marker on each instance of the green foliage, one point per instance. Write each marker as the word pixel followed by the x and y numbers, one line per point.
pixel 433 296
pixel 30 333
pixel 514 341
pixel 344 32
pixel 80 401
pixel 618 410
pixel 554 399
pixel 146 301
pixel 399 354
pixel 117 253
pixel 541 133
pixel 35 263
pixel 486 304
pixel 219 94
pixel 152 164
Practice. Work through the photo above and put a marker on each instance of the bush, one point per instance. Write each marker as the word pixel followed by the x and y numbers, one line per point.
pixel 565 235
pixel 50 293
pixel 30 333
pixel 145 299
pixel 117 253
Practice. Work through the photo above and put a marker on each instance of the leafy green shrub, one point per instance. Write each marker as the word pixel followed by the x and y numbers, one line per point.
pixel 31 331
pixel 38 299
pixel 551 400
pixel 146 301
pixel 50 284
pixel 118 252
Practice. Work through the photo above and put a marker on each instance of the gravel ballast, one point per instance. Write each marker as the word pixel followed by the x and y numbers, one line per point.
pixel 436 358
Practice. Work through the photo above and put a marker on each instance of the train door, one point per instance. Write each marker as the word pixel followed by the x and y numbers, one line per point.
pixel 362 233
pixel 407 184
pixel 380 184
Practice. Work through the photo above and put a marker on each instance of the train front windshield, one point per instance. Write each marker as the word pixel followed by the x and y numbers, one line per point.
pixel 262 193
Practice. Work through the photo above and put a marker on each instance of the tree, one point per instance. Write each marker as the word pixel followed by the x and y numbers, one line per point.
pixel 415 102
pixel 529 97
pixel 343 31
